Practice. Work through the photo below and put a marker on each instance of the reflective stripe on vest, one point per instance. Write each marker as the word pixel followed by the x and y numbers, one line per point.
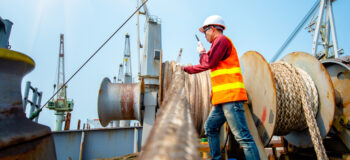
pixel 227 86
pixel 225 71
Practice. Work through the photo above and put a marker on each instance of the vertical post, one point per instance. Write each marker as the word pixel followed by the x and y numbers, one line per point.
pixel 334 35
pixel 138 39
pixel 326 44
pixel 136 139
pixel 78 127
pixel 82 144
pixel 25 97
pixel 67 124
pixel 318 26
pixel 32 106
pixel 38 104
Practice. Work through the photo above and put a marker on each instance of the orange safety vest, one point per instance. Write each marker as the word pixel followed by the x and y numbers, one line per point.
pixel 227 80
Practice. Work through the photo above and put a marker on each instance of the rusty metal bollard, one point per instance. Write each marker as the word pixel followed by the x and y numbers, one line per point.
pixel 20 138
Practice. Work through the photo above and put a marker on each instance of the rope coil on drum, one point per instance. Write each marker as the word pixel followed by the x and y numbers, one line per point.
pixel 198 91
pixel 297 103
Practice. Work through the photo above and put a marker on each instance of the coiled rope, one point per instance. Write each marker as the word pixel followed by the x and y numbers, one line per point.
pixel 198 91
pixel 297 104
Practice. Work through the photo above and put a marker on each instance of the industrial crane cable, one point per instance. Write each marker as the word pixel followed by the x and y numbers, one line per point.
pixel 35 114
pixel 295 31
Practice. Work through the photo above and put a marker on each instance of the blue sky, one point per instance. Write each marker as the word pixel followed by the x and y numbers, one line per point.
pixel 251 24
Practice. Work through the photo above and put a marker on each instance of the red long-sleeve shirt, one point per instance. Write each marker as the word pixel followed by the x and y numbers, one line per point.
pixel 219 50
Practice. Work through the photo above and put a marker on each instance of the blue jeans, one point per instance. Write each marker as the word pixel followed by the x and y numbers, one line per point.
pixel 233 112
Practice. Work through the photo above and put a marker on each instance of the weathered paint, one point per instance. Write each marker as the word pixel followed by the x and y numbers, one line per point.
pixel 37 149
pixel 98 143
pixel 127 100
pixel 20 138
pixel 339 71
pixel 119 101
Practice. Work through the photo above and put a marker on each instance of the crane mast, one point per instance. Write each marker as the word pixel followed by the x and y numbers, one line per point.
pixel 127 60
pixel 61 105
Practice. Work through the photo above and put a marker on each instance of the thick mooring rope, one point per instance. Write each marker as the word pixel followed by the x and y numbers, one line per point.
pixel 198 91
pixel 297 104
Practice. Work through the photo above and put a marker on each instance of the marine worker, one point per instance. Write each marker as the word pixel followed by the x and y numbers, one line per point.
pixel 228 91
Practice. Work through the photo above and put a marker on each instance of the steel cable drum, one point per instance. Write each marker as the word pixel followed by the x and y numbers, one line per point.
pixel 119 101
pixel 198 88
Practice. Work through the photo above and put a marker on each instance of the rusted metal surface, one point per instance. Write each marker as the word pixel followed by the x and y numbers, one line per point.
pixel 20 138
pixel 119 101
pixel 67 124
pixel 78 127
pixel 82 141
pixel 173 135
pixel 36 149
pixel 261 89
pixel 198 88
pixel 16 129
pixel 323 83
pixel 339 71
pixel 344 61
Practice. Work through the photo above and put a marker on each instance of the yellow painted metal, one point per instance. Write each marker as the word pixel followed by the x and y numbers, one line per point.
pixel 15 56
pixel 340 122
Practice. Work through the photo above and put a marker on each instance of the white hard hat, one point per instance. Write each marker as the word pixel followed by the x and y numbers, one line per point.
pixel 213 20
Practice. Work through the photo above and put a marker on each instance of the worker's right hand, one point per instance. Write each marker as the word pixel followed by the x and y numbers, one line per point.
pixel 200 48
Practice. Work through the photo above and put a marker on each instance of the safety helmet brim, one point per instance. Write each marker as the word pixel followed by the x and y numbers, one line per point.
pixel 202 28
